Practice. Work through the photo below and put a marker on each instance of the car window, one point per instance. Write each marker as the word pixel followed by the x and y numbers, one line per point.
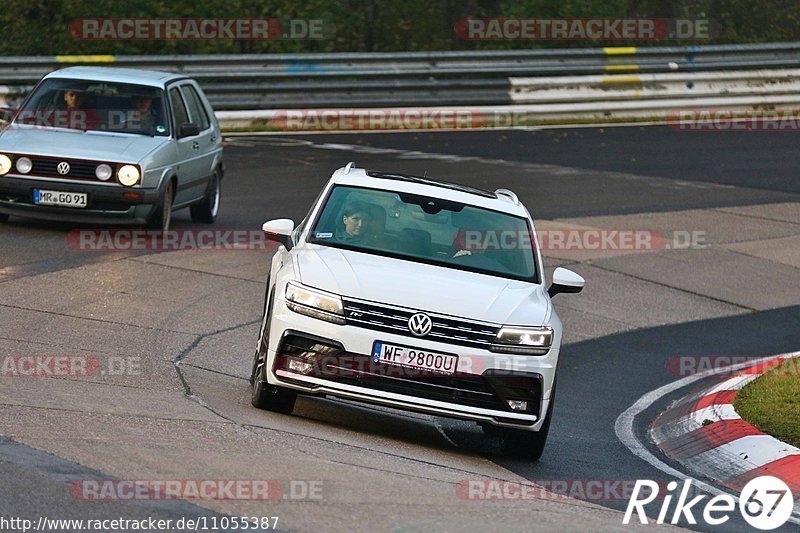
pixel 427 229
pixel 196 108
pixel 96 105
pixel 178 109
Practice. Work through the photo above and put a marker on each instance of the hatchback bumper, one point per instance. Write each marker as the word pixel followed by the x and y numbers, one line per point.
pixel 105 203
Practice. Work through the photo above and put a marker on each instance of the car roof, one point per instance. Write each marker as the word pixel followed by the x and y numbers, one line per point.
pixel 153 78
pixel 500 200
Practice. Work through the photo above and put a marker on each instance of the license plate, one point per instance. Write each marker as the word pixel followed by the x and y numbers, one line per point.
pixel 61 199
pixel 414 358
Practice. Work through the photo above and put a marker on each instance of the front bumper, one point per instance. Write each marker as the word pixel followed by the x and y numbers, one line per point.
pixel 477 392
pixel 105 203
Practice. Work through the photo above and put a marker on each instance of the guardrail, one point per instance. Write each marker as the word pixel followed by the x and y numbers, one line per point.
pixel 609 82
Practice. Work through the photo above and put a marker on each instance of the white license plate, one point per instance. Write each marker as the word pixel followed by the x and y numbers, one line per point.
pixel 62 199
pixel 414 358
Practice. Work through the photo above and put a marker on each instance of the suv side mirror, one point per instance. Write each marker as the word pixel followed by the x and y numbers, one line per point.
pixel 279 230
pixel 565 281
pixel 189 129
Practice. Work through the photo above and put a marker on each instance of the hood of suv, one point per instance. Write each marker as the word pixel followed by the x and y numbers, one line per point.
pixel 422 287
pixel 75 144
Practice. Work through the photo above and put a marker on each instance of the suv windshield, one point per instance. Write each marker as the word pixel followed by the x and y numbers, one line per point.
pixel 427 230
pixel 95 105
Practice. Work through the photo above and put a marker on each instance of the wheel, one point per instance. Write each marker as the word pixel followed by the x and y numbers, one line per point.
pixel 206 211
pixel 261 335
pixel 264 395
pixel 3 217
pixel 522 444
pixel 163 216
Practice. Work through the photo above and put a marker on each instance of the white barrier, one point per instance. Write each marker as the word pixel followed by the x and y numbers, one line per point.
pixel 562 99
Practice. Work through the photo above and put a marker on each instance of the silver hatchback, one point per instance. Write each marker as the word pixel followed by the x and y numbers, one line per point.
pixel 112 145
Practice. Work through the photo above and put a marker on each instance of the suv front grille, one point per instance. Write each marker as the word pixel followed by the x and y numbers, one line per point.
pixel 395 320
pixel 328 360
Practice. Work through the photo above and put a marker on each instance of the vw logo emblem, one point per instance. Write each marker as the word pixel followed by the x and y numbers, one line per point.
pixel 63 168
pixel 420 324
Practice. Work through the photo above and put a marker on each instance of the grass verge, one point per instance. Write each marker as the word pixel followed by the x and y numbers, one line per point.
pixel 772 402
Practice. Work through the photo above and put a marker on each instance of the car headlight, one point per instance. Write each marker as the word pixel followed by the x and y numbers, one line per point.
pixel 5 164
pixel 24 165
pixel 315 303
pixel 523 340
pixel 103 172
pixel 128 175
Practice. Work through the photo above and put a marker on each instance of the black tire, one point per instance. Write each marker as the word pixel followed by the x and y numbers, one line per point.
pixel 3 217
pixel 529 445
pixel 264 395
pixel 162 217
pixel 261 336
pixel 206 211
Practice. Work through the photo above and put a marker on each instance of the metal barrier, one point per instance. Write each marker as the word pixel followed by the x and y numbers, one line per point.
pixel 611 78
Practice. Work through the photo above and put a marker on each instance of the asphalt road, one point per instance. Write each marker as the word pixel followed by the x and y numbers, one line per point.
pixel 190 320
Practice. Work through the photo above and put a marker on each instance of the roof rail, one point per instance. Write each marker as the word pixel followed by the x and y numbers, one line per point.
pixel 429 181
pixel 507 194
pixel 349 166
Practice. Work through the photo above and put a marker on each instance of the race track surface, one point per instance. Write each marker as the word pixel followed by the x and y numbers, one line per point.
pixel 185 324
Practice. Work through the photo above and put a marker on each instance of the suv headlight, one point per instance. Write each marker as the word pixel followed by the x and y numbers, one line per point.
pixel 315 303
pixel 523 340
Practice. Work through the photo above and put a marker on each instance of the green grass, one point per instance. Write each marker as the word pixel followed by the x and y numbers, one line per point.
pixel 772 402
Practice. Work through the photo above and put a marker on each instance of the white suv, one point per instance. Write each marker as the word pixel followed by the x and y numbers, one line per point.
pixel 416 294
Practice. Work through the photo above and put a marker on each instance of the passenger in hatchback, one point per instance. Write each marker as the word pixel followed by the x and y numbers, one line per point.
pixel 143 116
pixel 78 116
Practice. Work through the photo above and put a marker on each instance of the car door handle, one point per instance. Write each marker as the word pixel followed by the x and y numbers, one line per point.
pixel 195 145
pixel 214 139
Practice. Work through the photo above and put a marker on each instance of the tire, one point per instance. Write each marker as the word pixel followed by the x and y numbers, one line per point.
pixel 264 395
pixel 162 218
pixel 529 445
pixel 261 335
pixel 206 211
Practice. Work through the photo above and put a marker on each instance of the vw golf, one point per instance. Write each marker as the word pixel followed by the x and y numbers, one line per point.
pixel 113 145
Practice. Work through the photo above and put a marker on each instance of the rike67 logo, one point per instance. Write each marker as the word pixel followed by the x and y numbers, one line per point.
pixel 765 503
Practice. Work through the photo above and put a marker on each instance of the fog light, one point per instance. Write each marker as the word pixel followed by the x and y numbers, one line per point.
pixel 103 172
pixel 518 405
pixel 24 165
pixel 299 366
